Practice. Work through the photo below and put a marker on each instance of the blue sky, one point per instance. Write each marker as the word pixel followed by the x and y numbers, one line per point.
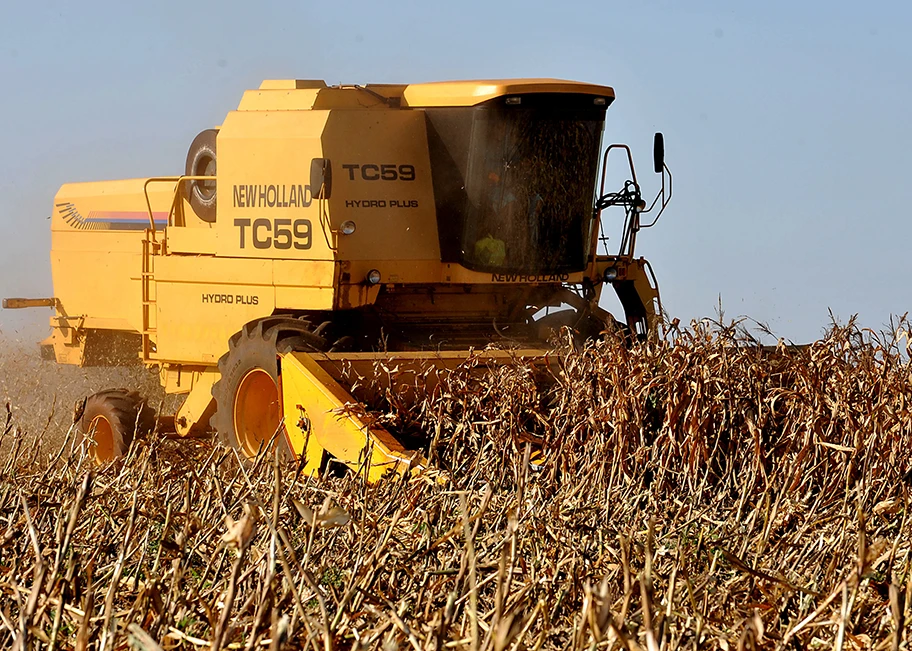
pixel 786 124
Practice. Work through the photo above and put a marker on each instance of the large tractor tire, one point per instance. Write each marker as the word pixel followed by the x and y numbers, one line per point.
pixel 111 419
pixel 247 394
pixel 201 162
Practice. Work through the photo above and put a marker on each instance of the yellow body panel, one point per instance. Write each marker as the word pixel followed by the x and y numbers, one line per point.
pixel 291 84
pixel 192 240
pixel 278 100
pixel 264 175
pixel 202 301
pixel 304 282
pixel 96 235
pixel 395 220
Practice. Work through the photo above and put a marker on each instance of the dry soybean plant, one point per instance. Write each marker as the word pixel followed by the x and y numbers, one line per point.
pixel 697 492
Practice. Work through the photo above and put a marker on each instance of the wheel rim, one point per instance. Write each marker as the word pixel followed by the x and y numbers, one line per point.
pixel 205 167
pixel 256 411
pixel 102 433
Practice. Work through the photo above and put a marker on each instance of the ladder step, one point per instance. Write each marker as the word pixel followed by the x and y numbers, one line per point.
pixel 150 250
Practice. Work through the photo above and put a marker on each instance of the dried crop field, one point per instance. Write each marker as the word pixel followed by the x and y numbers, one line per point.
pixel 699 492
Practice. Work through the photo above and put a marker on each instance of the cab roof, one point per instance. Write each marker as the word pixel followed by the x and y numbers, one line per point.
pixel 307 94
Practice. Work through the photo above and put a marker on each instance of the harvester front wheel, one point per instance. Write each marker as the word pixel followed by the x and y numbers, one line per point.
pixel 247 413
pixel 110 419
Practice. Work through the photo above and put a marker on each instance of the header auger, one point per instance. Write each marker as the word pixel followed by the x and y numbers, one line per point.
pixel 321 229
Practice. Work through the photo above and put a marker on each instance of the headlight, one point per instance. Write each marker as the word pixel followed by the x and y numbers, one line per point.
pixel 373 277
pixel 611 273
pixel 348 227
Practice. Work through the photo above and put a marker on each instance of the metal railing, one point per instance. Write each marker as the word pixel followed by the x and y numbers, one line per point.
pixel 152 248
pixel 177 180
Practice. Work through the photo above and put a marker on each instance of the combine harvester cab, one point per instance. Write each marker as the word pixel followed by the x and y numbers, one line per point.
pixel 321 230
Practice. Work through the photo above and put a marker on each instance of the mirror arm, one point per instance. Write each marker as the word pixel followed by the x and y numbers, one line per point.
pixel 664 197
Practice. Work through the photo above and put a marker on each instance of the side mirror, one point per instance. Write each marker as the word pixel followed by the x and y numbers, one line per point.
pixel 320 178
pixel 658 153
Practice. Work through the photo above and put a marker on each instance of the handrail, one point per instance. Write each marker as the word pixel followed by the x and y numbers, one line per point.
pixel 168 179
pixel 605 164
pixel 631 221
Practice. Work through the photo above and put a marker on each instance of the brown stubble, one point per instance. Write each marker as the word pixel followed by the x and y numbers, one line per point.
pixel 696 492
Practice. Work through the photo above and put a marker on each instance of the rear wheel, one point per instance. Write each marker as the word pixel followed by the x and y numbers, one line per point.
pixel 247 394
pixel 111 419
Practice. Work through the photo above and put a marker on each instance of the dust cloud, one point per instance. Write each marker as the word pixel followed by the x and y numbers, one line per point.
pixel 41 394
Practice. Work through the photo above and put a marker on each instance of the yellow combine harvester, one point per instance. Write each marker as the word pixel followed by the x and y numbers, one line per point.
pixel 321 228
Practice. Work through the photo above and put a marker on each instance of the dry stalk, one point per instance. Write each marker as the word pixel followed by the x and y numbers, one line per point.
pixel 675 494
